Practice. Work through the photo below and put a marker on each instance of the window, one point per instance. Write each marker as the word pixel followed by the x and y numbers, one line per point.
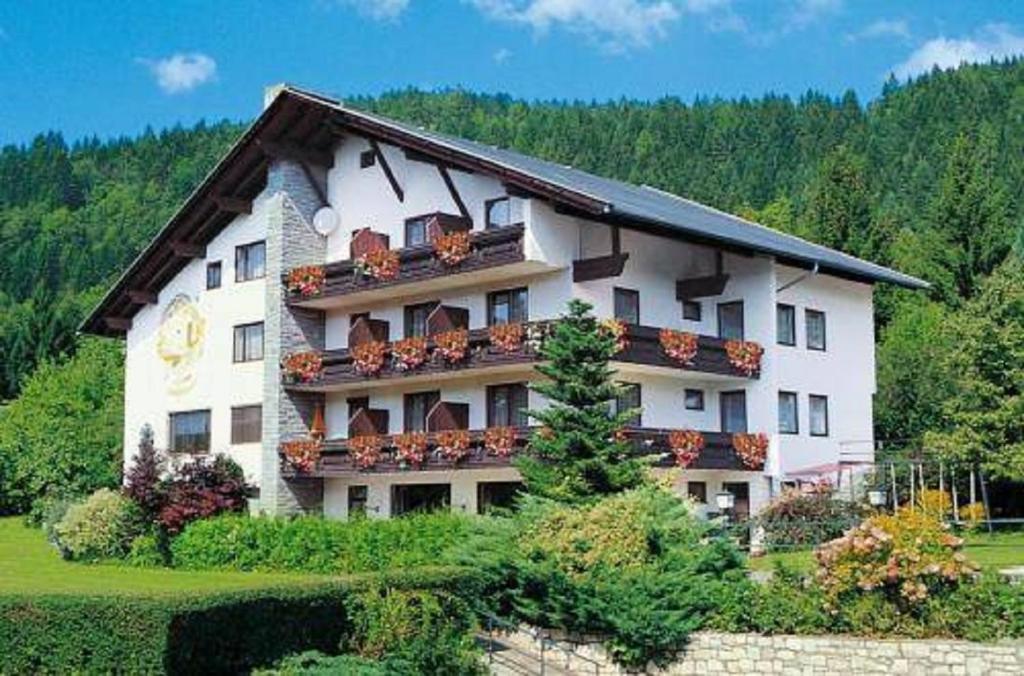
pixel 491 494
pixel 213 275
pixel 785 324
pixel 819 415
pixel 693 400
pixel 734 411
pixel 697 491
pixel 249 342
pixel 507 307
pixel 789 420
pixel 730 320
pixel 420 498
pixel 190 432
pixel 627 305
pixel 246 424
pixel 498 212
pixel 417 408
pixel 506 405
pixel 416 319
pixel 627 399
pixel 367 158
pixel 692 310
pixel 741 498
pixel 250 261
pixel 815 329
pixel 358 496
pixel 416 231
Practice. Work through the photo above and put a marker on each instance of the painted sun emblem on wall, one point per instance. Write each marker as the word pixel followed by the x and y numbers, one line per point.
pixel 180 343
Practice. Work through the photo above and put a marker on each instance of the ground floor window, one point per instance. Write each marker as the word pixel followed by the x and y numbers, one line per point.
pixel 189 432
pixel 741 493
pixel 357 498
pixel 500 494
pixel 406 498
pixel 697 491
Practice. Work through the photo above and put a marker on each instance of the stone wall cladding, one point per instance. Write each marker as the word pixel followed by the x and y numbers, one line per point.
pixel 714 653
pixel 291 242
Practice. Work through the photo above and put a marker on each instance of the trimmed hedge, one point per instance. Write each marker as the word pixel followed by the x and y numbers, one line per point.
pixel 224 632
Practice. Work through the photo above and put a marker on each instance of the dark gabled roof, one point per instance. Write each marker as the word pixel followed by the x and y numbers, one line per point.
pixel 309 121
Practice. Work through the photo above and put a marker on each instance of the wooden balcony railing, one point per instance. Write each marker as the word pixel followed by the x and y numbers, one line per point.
pixel 644 348
pixel 335 459
pixel 490 248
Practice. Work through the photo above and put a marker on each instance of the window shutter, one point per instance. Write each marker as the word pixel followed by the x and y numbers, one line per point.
pixel 365 241
pixel 446 415
pixel 447 318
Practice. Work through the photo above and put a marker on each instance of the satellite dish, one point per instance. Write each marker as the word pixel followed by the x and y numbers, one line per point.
pixel 325 221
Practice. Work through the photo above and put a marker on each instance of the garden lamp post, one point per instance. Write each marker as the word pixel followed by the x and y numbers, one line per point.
pixel 876 498
pixel 725 501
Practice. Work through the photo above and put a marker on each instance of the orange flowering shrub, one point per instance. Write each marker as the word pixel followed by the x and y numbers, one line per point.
pixel 366 450
pixel 500 441
pixel 368 358
pixel 302 367
pixel 680 346
pixel 905 556
pixel 453 445
pixel 452 248
pixel 752 449
pixel 381 264
pixel 411 448
pixel 409 353
pixel 303 454
pixel 618 330
pixel 506 337
pixel 744 355
pixel 453 346
pixel 307 280
pixel 686 445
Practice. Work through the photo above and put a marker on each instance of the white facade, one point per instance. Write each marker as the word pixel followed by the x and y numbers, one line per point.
pixel 162 353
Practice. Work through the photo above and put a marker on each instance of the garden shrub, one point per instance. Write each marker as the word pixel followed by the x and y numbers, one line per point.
pixel 803 518
pixel 318 545
pixel 200 489
pixel 148 550
pixel 217 632
pixel 101 527
pixel 785 604
pixel 313 663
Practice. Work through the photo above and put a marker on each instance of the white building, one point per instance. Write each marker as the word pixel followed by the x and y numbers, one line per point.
pixel 208 316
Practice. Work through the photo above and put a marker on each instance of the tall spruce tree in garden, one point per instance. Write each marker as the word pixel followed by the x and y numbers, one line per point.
pixel 576 456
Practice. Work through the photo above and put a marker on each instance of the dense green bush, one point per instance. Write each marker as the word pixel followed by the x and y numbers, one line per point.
pixel 220 632
pixel 637 568
pixel 786 604
pixel 101 527
pixel 317 545
pixel 313 663
pixel 798 519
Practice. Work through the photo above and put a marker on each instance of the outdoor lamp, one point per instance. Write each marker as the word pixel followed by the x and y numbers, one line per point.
pixel 876 497
pixel 725 500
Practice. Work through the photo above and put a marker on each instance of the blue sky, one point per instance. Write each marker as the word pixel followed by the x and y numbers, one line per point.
pixel 111 68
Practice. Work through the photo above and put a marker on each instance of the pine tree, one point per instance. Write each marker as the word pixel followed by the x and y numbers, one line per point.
pixel 142 480
pixel 577 455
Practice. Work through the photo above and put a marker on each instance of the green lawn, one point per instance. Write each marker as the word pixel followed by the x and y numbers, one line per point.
pixel 28 564
pixel 991 552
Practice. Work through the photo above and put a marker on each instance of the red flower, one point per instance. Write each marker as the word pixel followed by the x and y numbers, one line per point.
pixel 302 367
pixel 381 264
pixel 686 445
pixel 452 248
pixel 303 454
pixel 453 445
pixel 500 441
pixel 744 355
pixel 680 346
pixel 412 448
pixel 409 353
pixel 366 450
pixel 368 357
pixel 506 337
pixel 751 448
pixel 307 280
pixel 452 345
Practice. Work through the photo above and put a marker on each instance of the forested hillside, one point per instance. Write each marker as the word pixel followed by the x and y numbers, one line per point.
pixel 927 178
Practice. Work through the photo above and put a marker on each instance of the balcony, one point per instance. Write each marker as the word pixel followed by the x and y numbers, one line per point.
pixel 644 354
pixel 496 256
pixel 336 460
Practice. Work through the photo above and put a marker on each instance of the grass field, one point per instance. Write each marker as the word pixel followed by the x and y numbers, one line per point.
pixel 28 564
pixel 991 552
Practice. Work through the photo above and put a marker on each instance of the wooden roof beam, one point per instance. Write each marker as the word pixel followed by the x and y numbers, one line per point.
pixel 188 250
pixel 287 150
pixel 233 205
pixel 118 323
pixel 141 297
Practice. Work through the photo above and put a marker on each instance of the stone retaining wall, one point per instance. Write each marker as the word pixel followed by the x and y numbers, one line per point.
pixel 713 653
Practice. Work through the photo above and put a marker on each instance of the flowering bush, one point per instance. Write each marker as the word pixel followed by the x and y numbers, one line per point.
pixel 904 556
pixel 201 489
pixel 381 264
pixel 411 448
pixel 935 502
pixel 452 445
pixel 409 353
pixel 303 454
pixel 680 346
pixel 506 337
pixel 800 517
pixel 101 527
pixel 368 358
pixel 686 445
pixel 302 367
pixel 452 248
pixel 618 330
pixel 453 346
pixel 366 450
pixel 500 441
pixel 307 280
pixel 744 355
pixel 752 449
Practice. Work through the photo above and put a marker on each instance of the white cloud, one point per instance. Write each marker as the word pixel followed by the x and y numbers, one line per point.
pixel 806 12
pixel 616 25
pixel 182 72
pixel 883 28
pixel 993 41
pixel 381 10
pixel 501 55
